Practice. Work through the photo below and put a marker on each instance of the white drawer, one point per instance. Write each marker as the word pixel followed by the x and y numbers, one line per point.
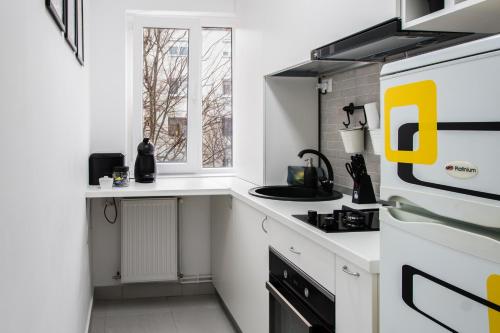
pixel 313 259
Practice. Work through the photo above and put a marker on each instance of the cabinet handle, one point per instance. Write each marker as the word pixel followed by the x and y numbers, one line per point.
pixel 346 270
pixel 283 300
pixel 262 224
pixel 292 249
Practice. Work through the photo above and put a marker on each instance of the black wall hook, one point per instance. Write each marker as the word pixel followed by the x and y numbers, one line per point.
pixel 349 110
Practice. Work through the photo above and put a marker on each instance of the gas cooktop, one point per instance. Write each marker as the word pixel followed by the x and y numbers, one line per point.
pixel 344 220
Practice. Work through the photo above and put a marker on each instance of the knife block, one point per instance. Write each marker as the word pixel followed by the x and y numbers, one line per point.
pixel 362 191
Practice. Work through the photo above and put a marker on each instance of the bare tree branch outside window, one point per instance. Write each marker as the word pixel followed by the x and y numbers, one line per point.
pixel 217 106
pixel 165 82
pixel 165 94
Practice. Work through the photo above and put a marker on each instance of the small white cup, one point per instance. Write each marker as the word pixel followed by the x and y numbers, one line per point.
pixel 372 115
pixel 105 183
pixel 353 139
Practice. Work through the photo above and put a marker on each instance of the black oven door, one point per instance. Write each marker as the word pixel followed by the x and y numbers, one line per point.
pixel 288 314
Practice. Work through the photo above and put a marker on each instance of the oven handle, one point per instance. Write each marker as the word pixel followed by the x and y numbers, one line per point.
pixel 276 294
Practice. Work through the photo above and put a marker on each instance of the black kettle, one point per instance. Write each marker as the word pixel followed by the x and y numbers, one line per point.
pixel 145 164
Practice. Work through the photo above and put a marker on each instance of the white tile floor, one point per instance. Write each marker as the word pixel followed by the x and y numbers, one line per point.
pixel 182 314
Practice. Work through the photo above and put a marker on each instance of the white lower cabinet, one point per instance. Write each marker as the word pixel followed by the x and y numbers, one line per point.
pixel 240 262
pixel 356 299
pixel 241 236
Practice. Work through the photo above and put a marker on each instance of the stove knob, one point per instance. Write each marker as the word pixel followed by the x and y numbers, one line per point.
pixel 312 216
pixel 329 221
pixel 285 274
pixel 306 292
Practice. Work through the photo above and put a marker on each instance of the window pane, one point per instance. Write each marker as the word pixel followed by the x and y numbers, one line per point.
pixel 165 92
pixel 217 95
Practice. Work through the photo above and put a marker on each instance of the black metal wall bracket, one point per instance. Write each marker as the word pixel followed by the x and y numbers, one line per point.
pixel 349 110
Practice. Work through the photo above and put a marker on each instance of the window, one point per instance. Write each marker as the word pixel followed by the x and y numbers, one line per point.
pixel 183 51
pixel 227 88
pixel 179 60
pixel 226 53
pixel 177 126
pixel 216 97
pixel 178 50
pixel 227 125
pixel 165 78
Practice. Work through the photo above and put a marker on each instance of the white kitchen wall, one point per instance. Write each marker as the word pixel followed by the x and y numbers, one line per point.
pixel 44 130
pixel 277 34
pixel 108 98
pixel 291 29
pixel 291 124
pixel 109 126
pixel 271 35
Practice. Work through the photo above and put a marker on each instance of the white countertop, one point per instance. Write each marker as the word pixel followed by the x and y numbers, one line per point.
pixel 361 248
pixel 167 186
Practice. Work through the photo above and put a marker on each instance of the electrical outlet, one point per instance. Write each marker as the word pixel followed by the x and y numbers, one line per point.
pixel 329 85
pixel 325 86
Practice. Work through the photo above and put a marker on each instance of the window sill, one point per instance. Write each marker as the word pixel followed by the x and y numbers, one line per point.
pixel 196 175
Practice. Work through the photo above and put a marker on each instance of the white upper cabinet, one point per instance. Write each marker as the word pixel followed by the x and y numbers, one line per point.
pixel 451 15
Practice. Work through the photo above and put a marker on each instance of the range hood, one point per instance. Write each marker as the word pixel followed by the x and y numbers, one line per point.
pixel 315 68
pixel 383 42
pixel 387 41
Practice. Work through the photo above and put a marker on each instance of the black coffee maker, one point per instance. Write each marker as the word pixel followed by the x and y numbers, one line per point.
pixel 145 164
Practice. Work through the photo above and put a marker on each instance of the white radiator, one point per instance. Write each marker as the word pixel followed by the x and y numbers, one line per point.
pixel 149 240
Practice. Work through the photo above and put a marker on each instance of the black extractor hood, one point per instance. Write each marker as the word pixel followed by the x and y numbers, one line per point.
pixel 388 41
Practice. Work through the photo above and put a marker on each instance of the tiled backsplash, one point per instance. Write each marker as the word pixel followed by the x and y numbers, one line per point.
pixel 359 86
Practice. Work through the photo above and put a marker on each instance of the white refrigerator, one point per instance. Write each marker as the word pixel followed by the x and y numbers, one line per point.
pixel 440 242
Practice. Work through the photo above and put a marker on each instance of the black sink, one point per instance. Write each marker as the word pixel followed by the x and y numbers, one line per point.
pixel 293 193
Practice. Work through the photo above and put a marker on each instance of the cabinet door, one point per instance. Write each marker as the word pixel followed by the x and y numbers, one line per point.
pixel 356 302
pixel 240 263
pixel 221 228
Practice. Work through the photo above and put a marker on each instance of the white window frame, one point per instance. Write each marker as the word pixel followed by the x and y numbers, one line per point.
pixel 194 22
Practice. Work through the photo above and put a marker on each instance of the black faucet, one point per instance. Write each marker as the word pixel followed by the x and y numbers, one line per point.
pixel 326 183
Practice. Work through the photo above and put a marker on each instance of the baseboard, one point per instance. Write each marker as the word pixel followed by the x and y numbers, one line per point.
pixel 147 290
pixel 89 315
pixel 228 313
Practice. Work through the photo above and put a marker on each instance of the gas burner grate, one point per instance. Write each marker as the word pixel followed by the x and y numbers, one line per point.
pixel 343 220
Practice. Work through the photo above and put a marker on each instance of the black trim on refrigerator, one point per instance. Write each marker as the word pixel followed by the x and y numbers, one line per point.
pixel 319 121
pixel 405 143
pixel 408 272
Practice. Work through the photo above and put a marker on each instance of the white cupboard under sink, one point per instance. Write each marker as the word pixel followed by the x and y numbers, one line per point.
pixel 240 262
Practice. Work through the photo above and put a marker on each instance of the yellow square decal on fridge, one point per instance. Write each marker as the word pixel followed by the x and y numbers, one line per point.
pixel 423 94
pixel 493 286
